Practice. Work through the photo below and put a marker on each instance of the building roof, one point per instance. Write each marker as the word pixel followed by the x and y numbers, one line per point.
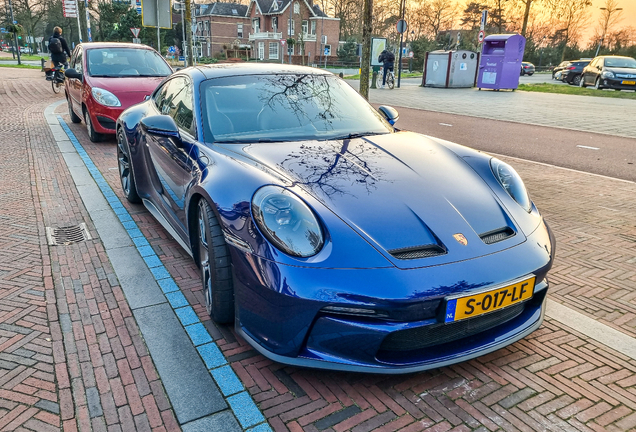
pixel 220 8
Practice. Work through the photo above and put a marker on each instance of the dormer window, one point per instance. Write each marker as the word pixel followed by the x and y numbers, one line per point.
pixel 234 12
pixel 296 8
pixel 275 5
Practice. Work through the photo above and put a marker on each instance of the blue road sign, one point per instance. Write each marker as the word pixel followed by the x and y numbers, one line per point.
pixel 172 50
pixel 15 22
pixel 181 58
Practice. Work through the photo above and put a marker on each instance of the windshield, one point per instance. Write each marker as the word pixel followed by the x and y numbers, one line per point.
pixel 126 62
pixel 285 107
pixel 620 62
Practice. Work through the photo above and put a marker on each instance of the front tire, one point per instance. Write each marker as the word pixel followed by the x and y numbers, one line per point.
pixel 126 175
pixel 597 84
pixel 215 266
pixel 92 134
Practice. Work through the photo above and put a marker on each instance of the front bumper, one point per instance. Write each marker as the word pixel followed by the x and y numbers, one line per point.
pixel 280 309
pixel 619 84
pixel 104 118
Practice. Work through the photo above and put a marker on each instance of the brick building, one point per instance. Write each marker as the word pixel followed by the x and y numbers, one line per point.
pixel 222 27
pixel 313 31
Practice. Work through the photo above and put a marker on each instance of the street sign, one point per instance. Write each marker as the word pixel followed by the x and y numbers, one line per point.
pixel 156 13
pixel 181 58
pixel 172 49
pixel 480 38
pixel 401 26
pixel 484 17
pixel 411 54
pixel 135 31
pixel 282 42
pixel 69 9
pixel 136 40
pixel 138 6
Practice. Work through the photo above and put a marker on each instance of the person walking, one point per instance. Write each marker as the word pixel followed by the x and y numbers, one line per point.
pixel 387 58
pixel 58 49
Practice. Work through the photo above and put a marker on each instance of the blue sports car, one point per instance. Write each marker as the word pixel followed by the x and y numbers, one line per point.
pixel 330 238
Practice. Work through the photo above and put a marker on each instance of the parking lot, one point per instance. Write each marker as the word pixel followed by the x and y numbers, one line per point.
pixel 72 355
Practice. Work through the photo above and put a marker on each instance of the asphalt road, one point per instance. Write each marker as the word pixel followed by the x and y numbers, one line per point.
pixel 600 154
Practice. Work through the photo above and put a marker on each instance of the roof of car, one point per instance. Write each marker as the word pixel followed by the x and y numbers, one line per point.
pixel 249 68
pixel 90 45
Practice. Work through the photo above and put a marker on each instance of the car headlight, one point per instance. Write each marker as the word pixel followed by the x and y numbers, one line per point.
pixel 105 97
pixel 607 74
pixel 511 182
pixel 287 222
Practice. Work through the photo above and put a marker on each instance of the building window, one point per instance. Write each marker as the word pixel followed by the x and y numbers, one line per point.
pixel 275 23
pixel 290 50
pixel 207 26
pixel 256 25
pixel 296 8
pixel 305 26
pixel 261 50
pixel 290 27
pixel 239 30
pixel 273 50
pixel 313 28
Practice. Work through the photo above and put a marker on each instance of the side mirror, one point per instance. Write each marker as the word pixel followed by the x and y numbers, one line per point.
pixel 161 125
pixel 389 113
pixel 72 73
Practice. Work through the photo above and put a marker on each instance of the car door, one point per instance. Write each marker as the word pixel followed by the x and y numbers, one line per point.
pixel 587 71
pixel 169 155
pixel 74 85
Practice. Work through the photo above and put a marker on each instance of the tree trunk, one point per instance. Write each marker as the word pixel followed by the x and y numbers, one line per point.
pixel 188 32
pixel 526 14
pixel 367 28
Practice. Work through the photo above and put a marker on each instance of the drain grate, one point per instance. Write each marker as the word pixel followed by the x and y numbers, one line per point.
pixel 67 235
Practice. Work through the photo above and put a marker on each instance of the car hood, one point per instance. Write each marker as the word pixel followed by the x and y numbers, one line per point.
pixel 398 191
pixel 130 84
pixel 631 71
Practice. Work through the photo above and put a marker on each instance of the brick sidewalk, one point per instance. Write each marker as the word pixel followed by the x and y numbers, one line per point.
pixel 556 379
pixel 71 351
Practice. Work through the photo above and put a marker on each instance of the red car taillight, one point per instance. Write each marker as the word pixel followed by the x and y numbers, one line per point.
pixel 572 68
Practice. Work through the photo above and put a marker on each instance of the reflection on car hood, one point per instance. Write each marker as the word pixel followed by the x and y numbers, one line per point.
pixel 621 70
pixel 398 190
pixel 129 84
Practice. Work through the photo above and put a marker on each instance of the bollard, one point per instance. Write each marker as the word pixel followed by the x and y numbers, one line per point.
pixel 374 77
pixel 341 75
pixel 42 60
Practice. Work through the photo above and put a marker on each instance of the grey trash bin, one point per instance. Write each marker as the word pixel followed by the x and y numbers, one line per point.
pixel 450 68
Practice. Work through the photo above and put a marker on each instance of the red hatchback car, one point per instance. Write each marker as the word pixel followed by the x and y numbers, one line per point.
pixel 104 79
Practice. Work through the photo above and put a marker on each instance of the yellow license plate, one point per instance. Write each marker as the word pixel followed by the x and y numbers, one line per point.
pixel 629 82
pixel 488 301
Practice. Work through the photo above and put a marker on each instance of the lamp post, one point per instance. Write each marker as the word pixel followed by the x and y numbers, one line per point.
pixel 608 16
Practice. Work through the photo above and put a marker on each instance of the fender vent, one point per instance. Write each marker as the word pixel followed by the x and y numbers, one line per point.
pixel 497 235
pixel 67 235
pixel 416 252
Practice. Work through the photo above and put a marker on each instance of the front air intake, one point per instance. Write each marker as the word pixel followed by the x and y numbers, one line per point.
pixel 416 252
pixel 497 235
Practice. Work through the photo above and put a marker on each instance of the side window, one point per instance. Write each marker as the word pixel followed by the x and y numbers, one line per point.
pixel 79 67
pixel 160 98
pixel 181 107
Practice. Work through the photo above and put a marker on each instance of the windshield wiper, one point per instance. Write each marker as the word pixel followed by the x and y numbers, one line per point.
pixel 353 135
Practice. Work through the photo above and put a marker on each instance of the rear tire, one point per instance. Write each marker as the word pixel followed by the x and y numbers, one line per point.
pixel 390 81
pixel 530 73
pixel 215 266
pixel 74 117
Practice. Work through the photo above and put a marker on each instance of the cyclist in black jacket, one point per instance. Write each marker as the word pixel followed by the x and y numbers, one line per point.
pixel 387 58
pixel 58 49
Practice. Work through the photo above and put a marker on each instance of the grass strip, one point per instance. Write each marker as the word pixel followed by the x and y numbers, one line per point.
pixel 22 66
pixel 573 90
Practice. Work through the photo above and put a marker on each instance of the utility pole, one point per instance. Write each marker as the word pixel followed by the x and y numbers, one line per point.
pixel 290 33
pixel 403 7
pixel 367 27
pixel 15 34
pixel 188 24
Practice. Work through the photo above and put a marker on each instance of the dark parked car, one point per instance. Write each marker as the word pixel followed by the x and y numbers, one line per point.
pixel 614 72
pixel 559 68
pixel 572 73
pixel 527 68
pixel 327 237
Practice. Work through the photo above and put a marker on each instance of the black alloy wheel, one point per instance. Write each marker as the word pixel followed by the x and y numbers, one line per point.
pixel 92 134
pixel 215 266
pixel 74 117
pixel 125 169
pixel 576 80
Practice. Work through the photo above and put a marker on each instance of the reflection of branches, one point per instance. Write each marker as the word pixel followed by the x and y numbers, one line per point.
pixel 332 168
pixel 300 94
pixel 459 287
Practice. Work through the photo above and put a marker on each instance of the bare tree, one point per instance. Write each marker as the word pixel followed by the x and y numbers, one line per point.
pixel 572 16
pixel 367 28
pixel 610 16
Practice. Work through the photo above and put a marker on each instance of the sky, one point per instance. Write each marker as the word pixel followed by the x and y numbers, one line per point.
pixel 628 15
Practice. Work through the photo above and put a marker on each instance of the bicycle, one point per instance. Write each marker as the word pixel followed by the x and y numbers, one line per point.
pixel 57 78
pixel 390 79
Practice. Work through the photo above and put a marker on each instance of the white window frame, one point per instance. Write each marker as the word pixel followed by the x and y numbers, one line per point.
pixel 273 50
pixel 290 49
pixel 261 50
pixel 313 27
pixel 256 25
pixel 291 27
pixel 305 26
pixel 275 24
pixel 239 30
pixel 296 7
